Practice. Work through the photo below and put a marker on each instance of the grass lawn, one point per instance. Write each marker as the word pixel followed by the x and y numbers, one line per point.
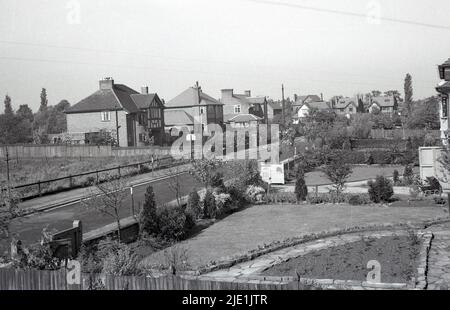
pixel 23 171
pixel 397 255
pixel 245 230
pixel 359 173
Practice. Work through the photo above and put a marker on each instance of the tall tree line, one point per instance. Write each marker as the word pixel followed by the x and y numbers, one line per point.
pixel 24 126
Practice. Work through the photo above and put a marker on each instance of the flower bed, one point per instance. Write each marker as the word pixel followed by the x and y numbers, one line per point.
pixel 397 255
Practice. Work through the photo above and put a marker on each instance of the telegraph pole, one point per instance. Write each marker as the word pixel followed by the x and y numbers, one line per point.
pixel 282 104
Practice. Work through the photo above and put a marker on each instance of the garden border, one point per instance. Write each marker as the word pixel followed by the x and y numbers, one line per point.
pixel 228 262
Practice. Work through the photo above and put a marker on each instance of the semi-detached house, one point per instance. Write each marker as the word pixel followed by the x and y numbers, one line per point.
pixel 129 117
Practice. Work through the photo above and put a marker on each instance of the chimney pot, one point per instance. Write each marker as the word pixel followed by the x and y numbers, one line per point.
pixel 144 90
pixel 106 83
pixel 227 93
pixel 248 93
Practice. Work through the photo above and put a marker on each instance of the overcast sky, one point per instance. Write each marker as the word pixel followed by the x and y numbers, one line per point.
pixel 312 46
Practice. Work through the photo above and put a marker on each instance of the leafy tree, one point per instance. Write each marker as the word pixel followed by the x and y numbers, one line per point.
pixel 376 110
pixel 148 221
pixel 360 108
pixel 8 108
pixel 9 210
pixel 425 114
pixel 376 93
pixel 209 205
pixel 301 190
pixel 193 205
pixel 203 170
pixel 380 190
pixel 408 175
pixel 337 172
pixel 44 100
pixel 24 112
pixel 408 93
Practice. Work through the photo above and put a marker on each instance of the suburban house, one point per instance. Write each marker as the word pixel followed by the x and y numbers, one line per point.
pixel 190 107
pixel 128 117
pixel 245 120
pixel 273 109
pixel 300 100
pixel 385 104
pixel 236 104
pixel 345 106
pixel 304 104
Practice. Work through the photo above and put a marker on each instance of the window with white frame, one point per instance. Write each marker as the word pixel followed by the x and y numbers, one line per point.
pixel 237 108
pixel 106 116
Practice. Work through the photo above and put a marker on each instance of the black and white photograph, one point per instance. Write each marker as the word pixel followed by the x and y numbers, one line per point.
pixel 246 146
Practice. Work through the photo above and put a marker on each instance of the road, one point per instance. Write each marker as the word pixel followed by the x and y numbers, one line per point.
pixel 29 228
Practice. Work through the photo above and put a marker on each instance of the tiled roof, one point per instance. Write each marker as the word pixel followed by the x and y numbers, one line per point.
pixel 143 101
pixel 190 97
pixel 275 105
pixel 345 102
pixel 321 105
pixel 124 93
pixel 384 101
pixel 177 118
pixel 443 87
pixel 241 118
pixel 301 99
pixel 101 100
pixel 116 98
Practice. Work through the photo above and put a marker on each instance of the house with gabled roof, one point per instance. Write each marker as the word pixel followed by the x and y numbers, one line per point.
pixel 129 117
pixel 385 104
pixel 236 104
pixel 345 106
pixel 192 106
pixel 245 120
pixel 304 104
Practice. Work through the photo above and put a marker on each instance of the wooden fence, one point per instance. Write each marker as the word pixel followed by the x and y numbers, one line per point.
pixel 12 279
pixel 402 133
pixel 77 151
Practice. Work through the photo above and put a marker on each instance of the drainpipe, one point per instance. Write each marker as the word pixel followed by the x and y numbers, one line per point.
pixel 117 127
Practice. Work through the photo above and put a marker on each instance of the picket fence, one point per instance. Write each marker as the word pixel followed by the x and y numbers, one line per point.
pixel 12 279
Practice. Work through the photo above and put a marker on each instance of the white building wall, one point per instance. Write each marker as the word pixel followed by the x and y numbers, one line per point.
pixel 92 122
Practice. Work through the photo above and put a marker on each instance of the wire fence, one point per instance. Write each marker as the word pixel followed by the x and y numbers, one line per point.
pixel 85 179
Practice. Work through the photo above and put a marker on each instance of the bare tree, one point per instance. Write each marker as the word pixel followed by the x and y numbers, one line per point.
pixel 175 182
pixel 109 200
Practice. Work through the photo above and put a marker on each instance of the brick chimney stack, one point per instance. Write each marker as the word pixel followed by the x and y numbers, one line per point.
pixel 106 83
pixel 144 90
